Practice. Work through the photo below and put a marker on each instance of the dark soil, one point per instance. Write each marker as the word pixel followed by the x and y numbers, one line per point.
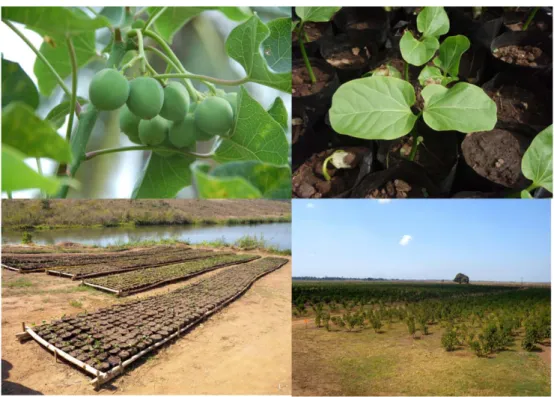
pixel 302 84
pixel 393 189
pixel 308 180
pixel 522 55
pixel 314 31
pixel 518 105
pixel 496 155
pixel 348 59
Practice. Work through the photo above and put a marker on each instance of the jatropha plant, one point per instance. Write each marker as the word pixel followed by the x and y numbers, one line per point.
pixel 380 106
pixel 536 164
pixel 310 14
pixel 162 113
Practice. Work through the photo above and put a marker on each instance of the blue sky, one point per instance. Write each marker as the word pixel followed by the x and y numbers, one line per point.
pixel 496 240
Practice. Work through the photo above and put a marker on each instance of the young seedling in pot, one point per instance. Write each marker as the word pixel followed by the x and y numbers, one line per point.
pixel 536 164
pixel 310 14
pixel 380 106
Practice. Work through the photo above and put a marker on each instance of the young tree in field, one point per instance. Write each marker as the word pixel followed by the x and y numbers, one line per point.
pixel 375 321
pixel 337 320
pixel 449 340
pixel 325 317
pixel 410 322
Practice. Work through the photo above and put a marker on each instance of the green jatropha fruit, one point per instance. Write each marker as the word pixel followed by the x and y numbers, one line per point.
pixel 129 124
pixel 176 102
pixel 182 133
pixel 153 132
pixel 231 97
pixel 108 90
pixel 214 116
pixel 146 97
pixel 138 24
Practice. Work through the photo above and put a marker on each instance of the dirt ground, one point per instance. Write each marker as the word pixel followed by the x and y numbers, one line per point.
pixel 243 349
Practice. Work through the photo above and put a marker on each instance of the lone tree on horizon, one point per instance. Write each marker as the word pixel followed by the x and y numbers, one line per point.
pixel 461 278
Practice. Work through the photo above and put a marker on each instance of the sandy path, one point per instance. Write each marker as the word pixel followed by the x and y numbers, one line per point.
pixel 243 349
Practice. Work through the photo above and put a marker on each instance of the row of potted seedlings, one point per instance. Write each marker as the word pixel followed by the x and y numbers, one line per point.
pixel 106 337
pixel 142 279
pixel 422 102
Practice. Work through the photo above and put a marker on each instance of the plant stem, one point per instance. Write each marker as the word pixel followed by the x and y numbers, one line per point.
pixel 304 54
pixel 9 195
pixel 406 71
pixel 530 18
pixel 166 59
pixel 142 56
pixel 39 56
pixel 324 168
pixel 153 17
pixel 91 155
pixel 415 143
pixel 73 103
pixel 202 78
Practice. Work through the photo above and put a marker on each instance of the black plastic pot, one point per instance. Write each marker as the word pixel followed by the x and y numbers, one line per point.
pixel 312 47
pixel 364 25
pixel 480 31
pixel 407 171
pixel 522 39
pixel 331 47
pixel 473 65
pixel 316 105
pixel 534 100
pixel 542 21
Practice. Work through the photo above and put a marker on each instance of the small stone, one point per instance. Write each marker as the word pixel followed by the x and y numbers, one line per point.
pixel 402 186
pixel 499 163
pixel 355 51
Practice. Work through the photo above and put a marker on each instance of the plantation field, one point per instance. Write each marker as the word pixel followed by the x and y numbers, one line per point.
pixel 211 358
pixel 359 338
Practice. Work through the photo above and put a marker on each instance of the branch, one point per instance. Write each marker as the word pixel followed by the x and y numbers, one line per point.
pixel 153 17
pixel 93 154
pixel 73 103
pixel 202 78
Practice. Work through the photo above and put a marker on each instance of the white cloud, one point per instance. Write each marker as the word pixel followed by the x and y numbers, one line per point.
pixel 384 201
pixel 405 239
pixel 310 205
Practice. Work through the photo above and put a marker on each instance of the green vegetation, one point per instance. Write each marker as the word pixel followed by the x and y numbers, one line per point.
pixel 108 90
pixel 76 304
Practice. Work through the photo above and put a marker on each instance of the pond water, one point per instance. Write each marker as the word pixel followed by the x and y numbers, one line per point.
pixel 275 234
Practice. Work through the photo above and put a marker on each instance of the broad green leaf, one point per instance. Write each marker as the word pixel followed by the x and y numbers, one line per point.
pixel 450 53
pixel 55 50
pixel 255 136
pixel 16 175
pixel 387 71
pixel 54 20
pixel 430 75
pixel 536 163
pixel 116 15
pixel 163 177
pixel 464 107
pixel 417 52
pixel 174 18
pixel 278 112
pixel 316 14
pixel 375 107
pixel 23 130
pixel 212 187
pixel 243 179
pixel 433 22
pixel 58 114
pixel 244 46
pixel 278 46
pixel 17 85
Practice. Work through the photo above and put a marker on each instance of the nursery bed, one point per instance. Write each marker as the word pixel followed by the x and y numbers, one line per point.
pixel 119 335
pixel 144 279
pixel 104 269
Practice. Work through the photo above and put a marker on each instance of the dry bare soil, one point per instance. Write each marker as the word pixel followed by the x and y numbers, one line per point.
pixel 242 349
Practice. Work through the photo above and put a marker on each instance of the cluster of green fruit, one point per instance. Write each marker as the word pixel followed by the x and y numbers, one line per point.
pixel 154 115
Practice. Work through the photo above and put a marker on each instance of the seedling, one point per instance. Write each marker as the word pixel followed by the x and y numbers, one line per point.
pixel 379 107
pixel 311 14
pixel 536 164
pixel 160 112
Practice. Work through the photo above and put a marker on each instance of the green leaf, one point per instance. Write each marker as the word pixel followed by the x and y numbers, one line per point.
pixel 278 112
pixel 417 52
pixel 54 20
pixel 244 46
pixel 255 136
pixel 316 14
pixel 57 115
pixel 163 177
pixel 23 130
pixel 116 15
pixel 450 53
pixel 55 50
pixel 536 164
pixel 433 22
pixel 278 46
pixel 525 194
pixel 430 75
pixel 243 179
pixel 464 107
pixel 386 70
pixel 16 175
pixel 17 85
pixel 236 13
pixel 375 107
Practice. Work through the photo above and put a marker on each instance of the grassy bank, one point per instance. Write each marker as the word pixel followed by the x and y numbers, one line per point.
pixel 63 214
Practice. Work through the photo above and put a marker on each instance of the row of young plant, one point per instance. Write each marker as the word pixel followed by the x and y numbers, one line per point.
pixel 139 279
pixel 485 324
pixel 382 141
pixel 161 112
pixel 106 337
